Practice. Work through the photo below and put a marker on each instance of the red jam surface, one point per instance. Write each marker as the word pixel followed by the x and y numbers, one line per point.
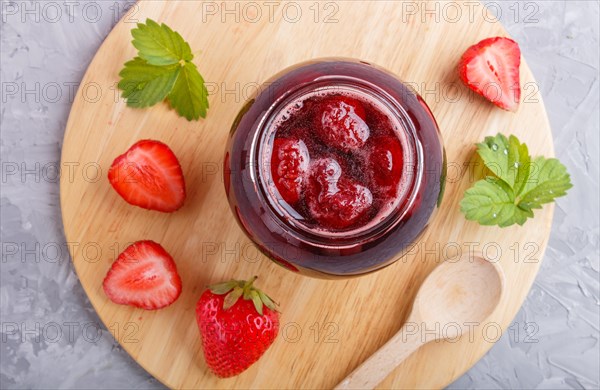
pixel 337 160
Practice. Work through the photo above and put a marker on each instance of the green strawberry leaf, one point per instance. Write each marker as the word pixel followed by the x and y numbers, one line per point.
pixel 163 70
pixel 159 45
pixel 507 158
pixel 517 184
pixel 491 202
pixel 144 85
pixel 549 180
pixel 189 96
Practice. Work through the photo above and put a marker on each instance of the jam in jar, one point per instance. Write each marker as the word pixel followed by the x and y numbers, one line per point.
pixel 334 167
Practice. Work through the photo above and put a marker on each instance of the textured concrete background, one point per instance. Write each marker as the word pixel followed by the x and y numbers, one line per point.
pixel 51 336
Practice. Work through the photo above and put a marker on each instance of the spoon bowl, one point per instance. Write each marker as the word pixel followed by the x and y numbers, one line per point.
pixel 467 290
pixel 455 295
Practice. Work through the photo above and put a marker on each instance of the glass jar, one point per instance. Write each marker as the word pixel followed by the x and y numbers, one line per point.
pixel 292 231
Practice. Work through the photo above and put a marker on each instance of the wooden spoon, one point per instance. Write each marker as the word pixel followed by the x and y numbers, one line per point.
pixel 455 295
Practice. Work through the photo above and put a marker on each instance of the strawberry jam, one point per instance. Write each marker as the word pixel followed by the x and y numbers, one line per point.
pixel 337 159
pixel 335 167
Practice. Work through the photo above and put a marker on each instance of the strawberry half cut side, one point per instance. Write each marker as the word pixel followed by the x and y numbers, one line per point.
pixel 149 175
pixel 144 276
pixel 491 68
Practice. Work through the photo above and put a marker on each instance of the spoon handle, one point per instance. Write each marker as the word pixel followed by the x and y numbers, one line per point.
pixel 377 367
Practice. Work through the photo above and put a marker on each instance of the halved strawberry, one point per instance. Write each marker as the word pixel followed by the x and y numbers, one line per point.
pixel 145 276
pixel 491 68
pixel 148 175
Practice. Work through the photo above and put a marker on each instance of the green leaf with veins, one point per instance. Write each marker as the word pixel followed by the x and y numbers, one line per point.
pixel 159 45
pixel 549 179
pixel 189 96
pixel 491 202
pixel 507 158
pixel 144 85
pixel 517 185
pixel 162 70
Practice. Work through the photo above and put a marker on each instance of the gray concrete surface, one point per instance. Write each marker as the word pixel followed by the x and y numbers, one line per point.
pixel 51 336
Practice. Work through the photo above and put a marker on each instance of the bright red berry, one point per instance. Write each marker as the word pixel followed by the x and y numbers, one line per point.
pixel 385 160
pixel 491 68
pixel 145 276
pixel 334 200
pixel 237 323
pixel 340 122
pixel 148 175
pixel 289 163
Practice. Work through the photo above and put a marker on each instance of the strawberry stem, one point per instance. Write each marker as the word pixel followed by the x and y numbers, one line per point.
pixel 236 289
pixel 251 281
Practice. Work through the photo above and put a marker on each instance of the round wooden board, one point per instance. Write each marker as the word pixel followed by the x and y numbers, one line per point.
pixel 328 327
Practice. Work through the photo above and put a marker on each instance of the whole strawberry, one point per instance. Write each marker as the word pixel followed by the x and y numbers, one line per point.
pixel 237 323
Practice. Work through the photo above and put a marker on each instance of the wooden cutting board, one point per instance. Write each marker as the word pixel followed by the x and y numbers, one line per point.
pixel 328 327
